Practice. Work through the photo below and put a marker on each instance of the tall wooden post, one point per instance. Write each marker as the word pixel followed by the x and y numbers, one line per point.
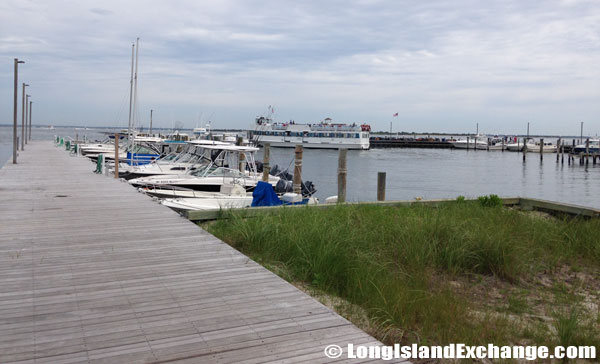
pixel 558 149
pixel 117 155
pixel 380 186
pixel 266 161
pixel 342 172
pixel 541 149
pixel 242 163
pixel 488 144
pixel 587 151
pixel 524 149
pixel 298 169
pixel 503 144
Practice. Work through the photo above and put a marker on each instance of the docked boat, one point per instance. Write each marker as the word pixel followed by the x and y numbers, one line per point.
pixel 191 157
pixel 229 165
pixel 517 146
pixel 478 141
pixel 548 148
pixel 594 147
pixel 324 135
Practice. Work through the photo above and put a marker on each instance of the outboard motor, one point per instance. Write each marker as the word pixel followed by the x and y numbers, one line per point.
pixel 284 186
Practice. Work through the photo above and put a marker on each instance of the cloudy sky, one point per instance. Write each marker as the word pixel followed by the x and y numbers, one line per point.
pixel 442 65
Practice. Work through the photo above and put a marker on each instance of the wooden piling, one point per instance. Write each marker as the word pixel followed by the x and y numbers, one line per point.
pixel 380 186
pixel 562 153
pixel 503 144
pixel 242 163
pixel 266 161
pixel 468 140
pixel 541 149
pixel 524 149
pixel 488 144
pixel 342 172
pixel 558 149
pixel 298 169
pixel 587 151
pixel 117 155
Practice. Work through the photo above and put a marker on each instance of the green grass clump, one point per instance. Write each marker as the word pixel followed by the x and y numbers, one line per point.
pixel 388 260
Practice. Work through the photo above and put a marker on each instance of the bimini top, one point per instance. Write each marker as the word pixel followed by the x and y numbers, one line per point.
pixel 207 142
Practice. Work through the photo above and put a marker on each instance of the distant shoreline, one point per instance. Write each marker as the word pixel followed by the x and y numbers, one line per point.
pixel 372 133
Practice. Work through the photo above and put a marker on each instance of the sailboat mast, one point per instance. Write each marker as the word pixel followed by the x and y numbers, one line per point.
pixel 130 96
pixel 135 79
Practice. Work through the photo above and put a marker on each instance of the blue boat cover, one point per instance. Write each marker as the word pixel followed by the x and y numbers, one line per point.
pixel 264 195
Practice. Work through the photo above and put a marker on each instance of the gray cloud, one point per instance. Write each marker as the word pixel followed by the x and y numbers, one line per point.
pixel 441 65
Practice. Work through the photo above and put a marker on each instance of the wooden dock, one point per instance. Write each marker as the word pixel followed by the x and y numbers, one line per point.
pixel 93 272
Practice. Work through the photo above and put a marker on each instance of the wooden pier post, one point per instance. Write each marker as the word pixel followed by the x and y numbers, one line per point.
pixel 342 172
pixel 488 144
pixel 557 149
pixel 587 151
pixel 524 149
pixel 475 144
pixel 518 145
pixel 541 149
pixel 468 140
pixel 562 153
pixel 266 161
pixel 380 186
pixel 242 163
pixel 298 170
pixel 117 155
pixel 503 144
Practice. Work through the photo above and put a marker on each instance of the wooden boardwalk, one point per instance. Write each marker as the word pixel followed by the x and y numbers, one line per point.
pixel 93 272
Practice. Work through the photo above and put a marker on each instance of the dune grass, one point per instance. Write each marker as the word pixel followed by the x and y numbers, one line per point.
pixel 413 269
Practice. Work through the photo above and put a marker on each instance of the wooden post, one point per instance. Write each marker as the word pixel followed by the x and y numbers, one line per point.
pixel 503 144
pixel 298 170
pixel 468 139
pixel 542 149
pixel 475 144
pixel 488 144
pixel 117 155
pixel 557 149
pixel 524 149
pixel 518 145
pixel 380 186
pixel 266 161
pixel 342 172
pixel 242 163
pixel 587 151
pixel 562 153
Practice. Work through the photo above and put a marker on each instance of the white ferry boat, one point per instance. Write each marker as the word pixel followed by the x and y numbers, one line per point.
pixel 324 135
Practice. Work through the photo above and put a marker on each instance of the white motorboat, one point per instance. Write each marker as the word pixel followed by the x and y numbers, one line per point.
pixel 478 141
pixel 593 147
pixel 229 165
pixel 215 203
pixel 548 148
pixel 191 157
pixel 518 146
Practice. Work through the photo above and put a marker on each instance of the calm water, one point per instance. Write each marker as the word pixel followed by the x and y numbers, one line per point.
pixel 426 173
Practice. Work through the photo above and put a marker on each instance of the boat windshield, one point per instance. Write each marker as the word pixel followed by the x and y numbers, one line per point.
pixel 214 171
